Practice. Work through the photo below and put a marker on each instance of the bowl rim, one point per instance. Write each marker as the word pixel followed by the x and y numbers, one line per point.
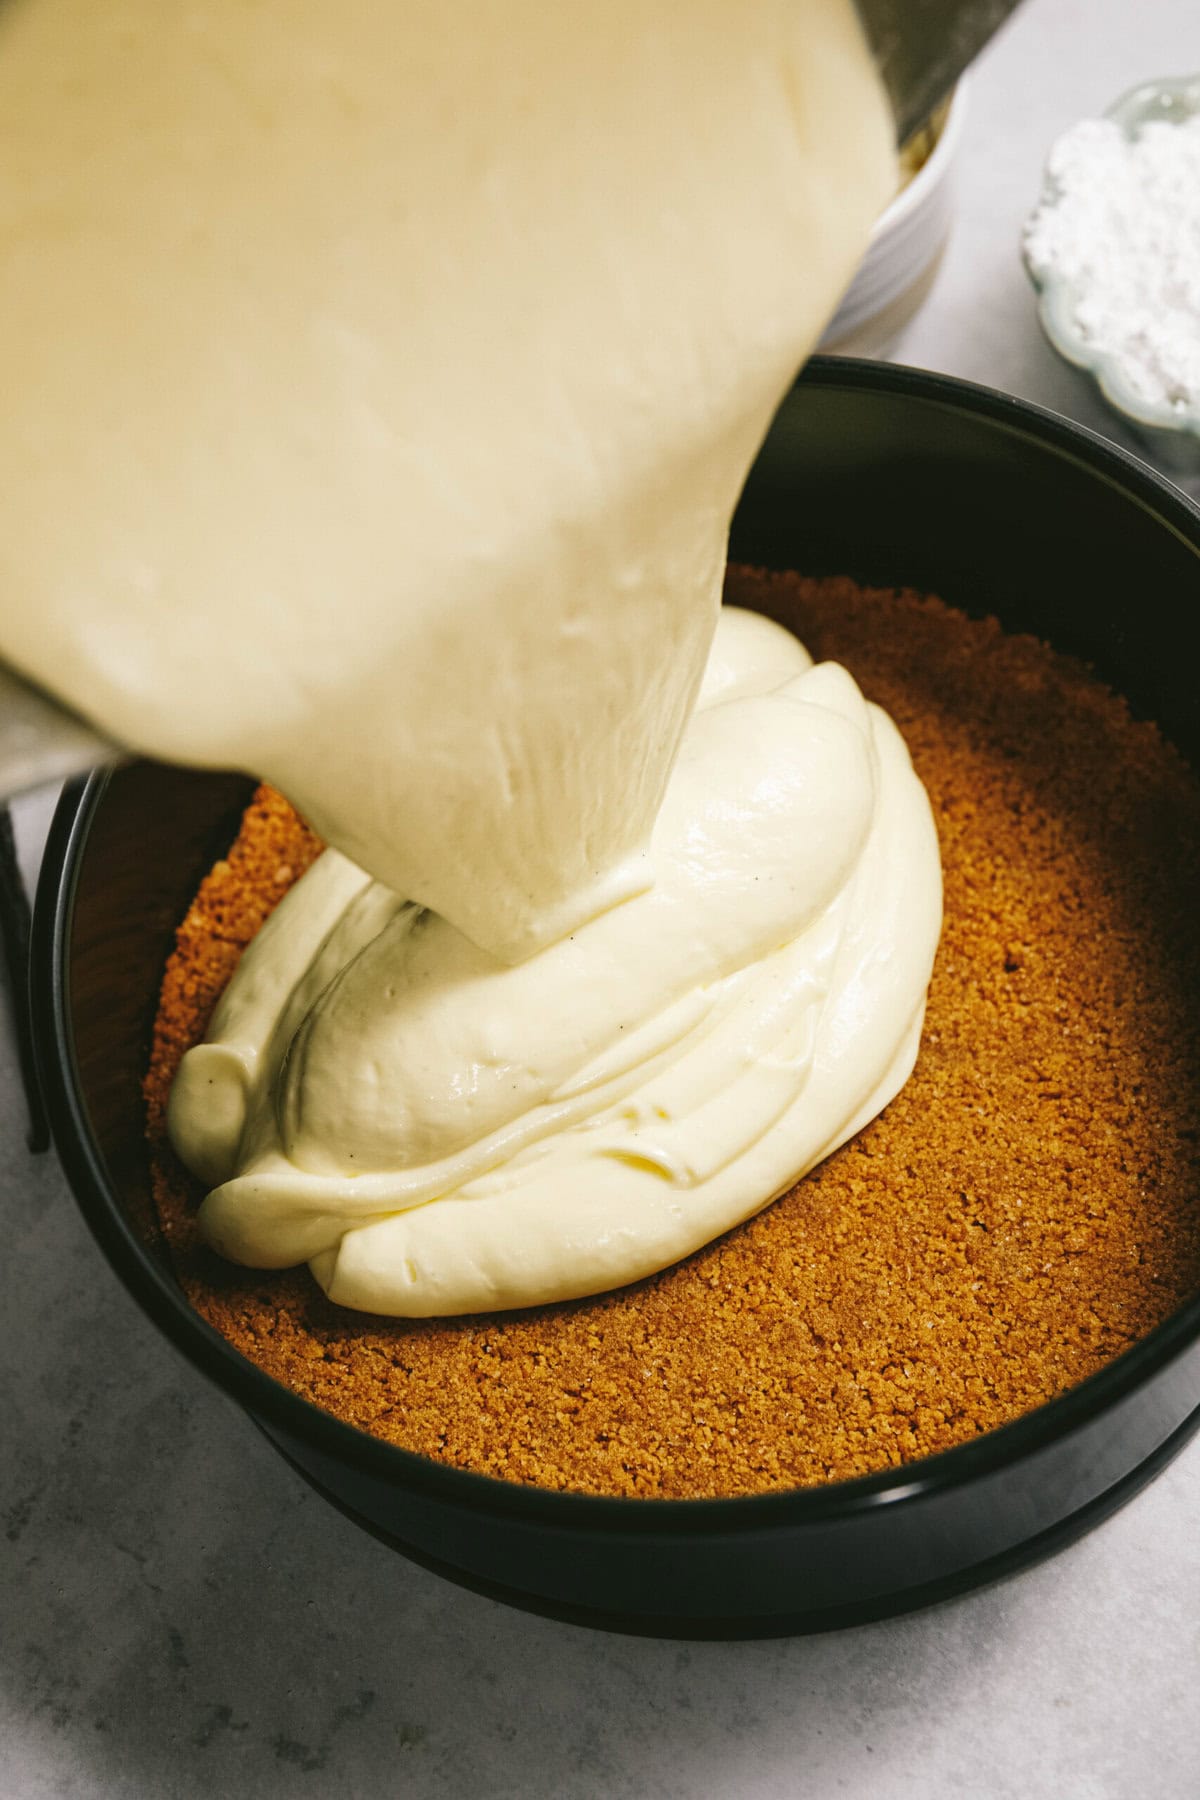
pixel 932 172
pixel 274 1405
pixel 904 223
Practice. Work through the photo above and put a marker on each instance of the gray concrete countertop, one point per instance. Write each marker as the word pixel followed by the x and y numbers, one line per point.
pixel 179 1616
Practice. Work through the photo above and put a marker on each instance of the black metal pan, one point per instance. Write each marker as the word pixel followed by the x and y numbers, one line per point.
pixel 888 475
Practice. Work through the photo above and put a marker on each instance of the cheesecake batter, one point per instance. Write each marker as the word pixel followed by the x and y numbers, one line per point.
pixel 378 386
pixel 378 389
pixel 437 1132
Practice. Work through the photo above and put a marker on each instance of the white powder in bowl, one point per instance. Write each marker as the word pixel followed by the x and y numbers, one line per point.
pixel 1119 226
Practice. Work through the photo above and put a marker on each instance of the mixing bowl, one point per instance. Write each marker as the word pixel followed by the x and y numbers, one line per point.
pixel 886 474
pixel 898 267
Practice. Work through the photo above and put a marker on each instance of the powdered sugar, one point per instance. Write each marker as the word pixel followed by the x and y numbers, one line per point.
pixel 1119 229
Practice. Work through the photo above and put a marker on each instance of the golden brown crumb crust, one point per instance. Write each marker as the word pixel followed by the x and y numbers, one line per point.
pixel 1023 1211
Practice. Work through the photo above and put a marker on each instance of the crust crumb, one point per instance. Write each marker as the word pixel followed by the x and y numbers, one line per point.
pixel 1021 1213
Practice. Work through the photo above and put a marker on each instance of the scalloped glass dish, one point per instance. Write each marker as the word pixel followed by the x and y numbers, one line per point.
pixel 1172 434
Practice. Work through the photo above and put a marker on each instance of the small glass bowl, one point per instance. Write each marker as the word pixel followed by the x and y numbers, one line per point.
pixel 1170 434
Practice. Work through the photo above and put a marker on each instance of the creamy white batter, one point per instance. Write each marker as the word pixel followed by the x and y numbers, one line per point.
pixel 438 1132
pixel 379 385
